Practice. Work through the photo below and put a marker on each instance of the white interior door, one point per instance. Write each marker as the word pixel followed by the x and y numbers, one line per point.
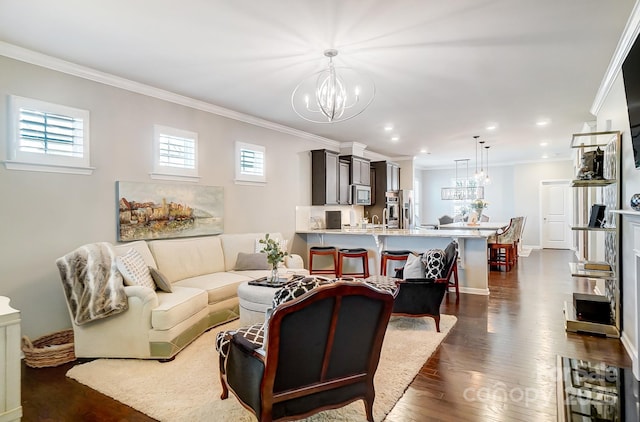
pixel 556 213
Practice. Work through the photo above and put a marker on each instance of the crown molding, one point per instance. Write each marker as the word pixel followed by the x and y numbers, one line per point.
pixel 28 56
pixel 421 166
pixel 627 39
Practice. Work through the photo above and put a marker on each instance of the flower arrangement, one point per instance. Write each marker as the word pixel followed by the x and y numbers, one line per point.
pixel 478 204
pixel 275 255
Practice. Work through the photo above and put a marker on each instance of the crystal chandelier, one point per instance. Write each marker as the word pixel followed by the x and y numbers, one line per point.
pixel 333 95
pixel 464 189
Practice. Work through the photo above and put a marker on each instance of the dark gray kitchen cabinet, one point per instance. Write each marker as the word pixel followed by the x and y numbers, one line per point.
pixel 325 177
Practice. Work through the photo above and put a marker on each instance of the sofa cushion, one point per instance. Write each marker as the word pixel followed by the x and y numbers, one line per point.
pixel 134 270
pixel 173 308
pixel 161 281
pixel 252 261
pixel 219 286
pixel 254 274
pixel 184 258
pixel 244 242
pixel 141 246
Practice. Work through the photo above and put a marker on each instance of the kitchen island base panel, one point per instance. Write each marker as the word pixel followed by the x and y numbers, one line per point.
pixel 473 270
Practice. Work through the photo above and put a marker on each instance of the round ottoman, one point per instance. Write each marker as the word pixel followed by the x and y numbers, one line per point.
pixel 254 302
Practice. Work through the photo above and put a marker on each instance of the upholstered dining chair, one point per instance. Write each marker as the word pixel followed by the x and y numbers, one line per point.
pixel 445 219
pixel 503 245
pixel 321 352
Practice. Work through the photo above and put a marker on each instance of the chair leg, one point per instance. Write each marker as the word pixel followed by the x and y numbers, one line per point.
pixel 437 320
pixel 225 390
pixel 455 278
pixel 368 404
pixel 223 382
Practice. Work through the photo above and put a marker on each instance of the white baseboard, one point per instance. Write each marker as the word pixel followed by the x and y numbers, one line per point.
pixel 632 352
pixel 474 291
pixel 535 247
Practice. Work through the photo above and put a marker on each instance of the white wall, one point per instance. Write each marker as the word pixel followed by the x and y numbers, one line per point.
pixel 46 215
pixel 614 110
pixel 513 191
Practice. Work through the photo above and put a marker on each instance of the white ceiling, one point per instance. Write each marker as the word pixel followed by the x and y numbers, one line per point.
pixel 444 70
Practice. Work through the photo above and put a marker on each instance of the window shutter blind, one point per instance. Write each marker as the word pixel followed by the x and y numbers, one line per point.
pixel 176 151
pixel 49 133
pixel 251 162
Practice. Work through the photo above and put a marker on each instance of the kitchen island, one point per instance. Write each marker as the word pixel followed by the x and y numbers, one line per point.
pixel 472 244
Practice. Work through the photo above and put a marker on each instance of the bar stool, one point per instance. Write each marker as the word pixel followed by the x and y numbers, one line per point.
pixel 392 256
pixel 354 253
pixel 323 250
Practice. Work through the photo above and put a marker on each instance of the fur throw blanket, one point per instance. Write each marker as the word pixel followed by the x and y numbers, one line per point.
pixel 92 283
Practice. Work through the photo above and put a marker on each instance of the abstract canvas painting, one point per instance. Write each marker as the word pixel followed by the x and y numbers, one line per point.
pixel 159 211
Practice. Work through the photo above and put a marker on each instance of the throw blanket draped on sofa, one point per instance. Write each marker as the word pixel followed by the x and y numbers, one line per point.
pixel 92 283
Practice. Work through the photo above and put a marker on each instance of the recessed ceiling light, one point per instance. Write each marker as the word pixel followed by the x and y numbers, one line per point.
pixel 395 138
pixel 423 151
pixel 388 128
pixel 492 127
pixel 545 156
pixel 544 144
pixel 543 122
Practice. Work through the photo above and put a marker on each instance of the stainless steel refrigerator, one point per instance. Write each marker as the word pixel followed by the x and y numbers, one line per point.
pixel 407 215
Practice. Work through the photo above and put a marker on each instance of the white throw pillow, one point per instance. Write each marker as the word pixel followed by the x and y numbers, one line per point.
pixel 134 270
pixel 414 268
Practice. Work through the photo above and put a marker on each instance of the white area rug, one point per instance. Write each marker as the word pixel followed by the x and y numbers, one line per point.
pixel 188 388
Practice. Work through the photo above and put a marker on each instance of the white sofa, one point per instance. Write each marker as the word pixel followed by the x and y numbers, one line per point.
pixel 157 325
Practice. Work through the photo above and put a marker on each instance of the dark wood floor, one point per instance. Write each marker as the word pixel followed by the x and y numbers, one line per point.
pixel 497 364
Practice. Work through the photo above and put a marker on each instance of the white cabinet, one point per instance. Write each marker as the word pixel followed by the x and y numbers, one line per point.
pixel 10 405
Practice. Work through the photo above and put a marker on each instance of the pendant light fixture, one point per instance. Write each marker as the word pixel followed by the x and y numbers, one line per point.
pixel 480 176
pixel 487 180
pixel 476 174
pixel 334 94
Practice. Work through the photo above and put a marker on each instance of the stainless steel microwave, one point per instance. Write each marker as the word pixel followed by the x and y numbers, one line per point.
pixel 360 195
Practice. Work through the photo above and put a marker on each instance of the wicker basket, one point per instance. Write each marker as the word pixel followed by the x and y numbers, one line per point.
pixel 50 350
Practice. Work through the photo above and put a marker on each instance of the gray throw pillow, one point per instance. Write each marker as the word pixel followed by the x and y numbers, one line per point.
pixel 252 261
pixel 161 280
pixel 413 268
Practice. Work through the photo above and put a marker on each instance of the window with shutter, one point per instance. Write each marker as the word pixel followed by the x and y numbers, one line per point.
pixel 250 163
pixel 175 154
pixel 48 137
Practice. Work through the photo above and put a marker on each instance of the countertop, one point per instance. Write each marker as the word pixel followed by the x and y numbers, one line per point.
pixel 402 232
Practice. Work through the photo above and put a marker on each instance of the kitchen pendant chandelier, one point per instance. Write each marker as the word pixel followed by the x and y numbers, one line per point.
pixel 464 189
pixel 482 176
pixel 334 94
